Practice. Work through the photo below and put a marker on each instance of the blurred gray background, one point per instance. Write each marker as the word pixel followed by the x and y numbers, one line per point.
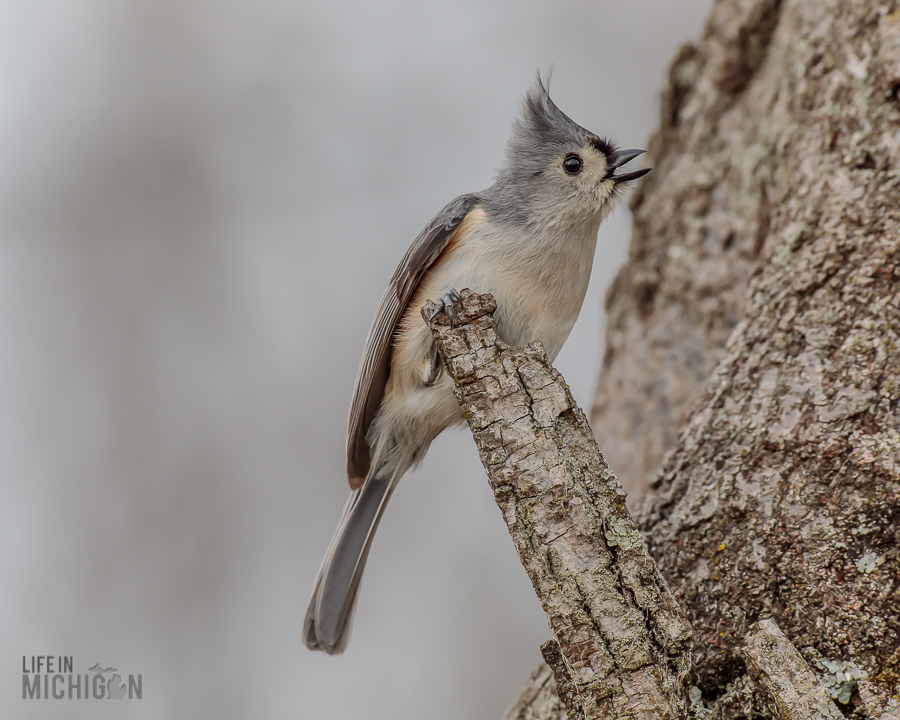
pixel 200 206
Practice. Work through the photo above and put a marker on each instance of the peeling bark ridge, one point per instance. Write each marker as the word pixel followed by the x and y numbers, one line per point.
pixel 623 643
pixel 780 497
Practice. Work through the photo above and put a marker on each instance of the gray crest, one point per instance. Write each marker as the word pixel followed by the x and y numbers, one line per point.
pixel 543 131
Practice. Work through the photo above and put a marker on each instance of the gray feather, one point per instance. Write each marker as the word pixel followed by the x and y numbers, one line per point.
pixel 375 365
pixel 329 618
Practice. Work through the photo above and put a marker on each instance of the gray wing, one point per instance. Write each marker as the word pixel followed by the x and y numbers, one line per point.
pixel 376 361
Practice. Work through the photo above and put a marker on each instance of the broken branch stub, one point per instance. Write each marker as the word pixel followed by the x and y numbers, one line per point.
pixel 775 665
pixel 623 640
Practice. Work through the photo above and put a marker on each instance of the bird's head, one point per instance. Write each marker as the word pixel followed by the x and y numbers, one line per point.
pixel 555 166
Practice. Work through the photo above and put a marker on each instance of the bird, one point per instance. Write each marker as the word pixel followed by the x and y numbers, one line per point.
pixel 529 240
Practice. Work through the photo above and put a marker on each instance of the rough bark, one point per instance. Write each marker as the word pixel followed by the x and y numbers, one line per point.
pixel 771 221
pixel 780 497
pixel 877 703
pixel 621 644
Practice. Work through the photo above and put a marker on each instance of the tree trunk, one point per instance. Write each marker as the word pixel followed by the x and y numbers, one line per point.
pixel 752 371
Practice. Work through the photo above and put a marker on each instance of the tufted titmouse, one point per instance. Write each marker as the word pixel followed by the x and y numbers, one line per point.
pixel 529 240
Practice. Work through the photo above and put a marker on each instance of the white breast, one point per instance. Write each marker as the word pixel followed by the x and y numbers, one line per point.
pixel 539 279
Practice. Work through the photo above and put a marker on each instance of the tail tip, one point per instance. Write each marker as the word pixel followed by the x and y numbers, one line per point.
pixel 313 638
pixel 313 642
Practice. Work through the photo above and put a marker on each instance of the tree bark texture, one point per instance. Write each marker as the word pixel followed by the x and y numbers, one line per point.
pixel 621 644
pixel 752 371
pixel 770 220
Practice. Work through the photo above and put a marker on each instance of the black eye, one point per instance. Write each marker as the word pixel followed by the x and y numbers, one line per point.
pixel 573 164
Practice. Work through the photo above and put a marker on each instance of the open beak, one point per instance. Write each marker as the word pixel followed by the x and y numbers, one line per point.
pixel 619 158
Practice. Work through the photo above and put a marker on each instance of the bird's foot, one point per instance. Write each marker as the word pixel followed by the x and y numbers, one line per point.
pixel 450 303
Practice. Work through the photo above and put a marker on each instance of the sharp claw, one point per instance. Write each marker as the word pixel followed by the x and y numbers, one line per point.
pixel 447 301
pixel 455 295
pixel 438 309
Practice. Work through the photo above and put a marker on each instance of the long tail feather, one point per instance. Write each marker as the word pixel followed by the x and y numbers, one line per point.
pixel 329 618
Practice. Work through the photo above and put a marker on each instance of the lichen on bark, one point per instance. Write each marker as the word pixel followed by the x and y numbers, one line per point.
pixel 752 369
pixel 785 479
